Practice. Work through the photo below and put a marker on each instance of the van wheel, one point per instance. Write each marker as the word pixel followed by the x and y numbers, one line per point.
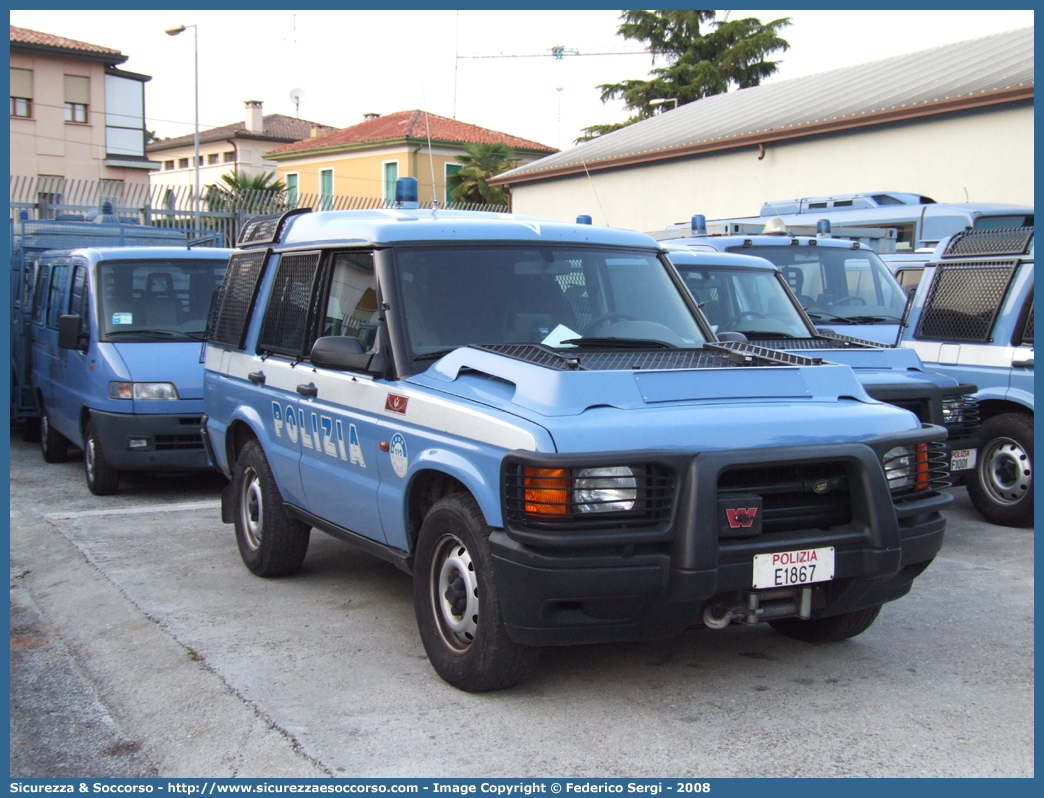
pixel 53 445
pixel 270 542
pixel 1001 488
pixel 102 479
pixel 827 630
pixel 457 603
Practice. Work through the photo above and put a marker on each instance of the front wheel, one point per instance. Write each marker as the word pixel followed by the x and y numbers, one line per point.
pixel 270 542
pixel 1001 487
pixel 53 445
pixel 827 630
pixel 102 479
pixel 457 603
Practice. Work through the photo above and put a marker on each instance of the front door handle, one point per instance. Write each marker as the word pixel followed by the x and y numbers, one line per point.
pixel 307 390
pixel 256 377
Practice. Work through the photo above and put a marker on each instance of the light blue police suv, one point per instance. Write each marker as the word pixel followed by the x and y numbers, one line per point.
pixel 534 419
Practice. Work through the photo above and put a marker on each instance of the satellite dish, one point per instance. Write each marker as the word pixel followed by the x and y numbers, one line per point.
pixel 295 97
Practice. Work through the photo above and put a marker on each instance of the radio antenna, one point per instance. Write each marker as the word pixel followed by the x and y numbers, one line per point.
pixel 431 155
pixel 595 191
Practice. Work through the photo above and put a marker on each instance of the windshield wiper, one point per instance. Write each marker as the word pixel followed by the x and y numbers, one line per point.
pixel 168 333
pixel 435 355
pixel 765 334
pixel 618 343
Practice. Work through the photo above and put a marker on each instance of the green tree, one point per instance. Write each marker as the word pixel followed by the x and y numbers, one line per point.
pixel 241 181
pixel 479 163
pixel 704 56
pixel 257 193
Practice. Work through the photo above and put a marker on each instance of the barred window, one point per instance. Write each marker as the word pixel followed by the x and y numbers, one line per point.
pixel 963 301
pixel 236 298
pixel 286 323
pixel 1027 330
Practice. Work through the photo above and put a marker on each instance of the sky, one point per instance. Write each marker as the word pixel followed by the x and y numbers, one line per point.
pixel 349 63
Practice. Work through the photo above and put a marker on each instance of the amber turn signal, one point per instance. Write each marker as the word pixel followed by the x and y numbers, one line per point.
pixel 547 490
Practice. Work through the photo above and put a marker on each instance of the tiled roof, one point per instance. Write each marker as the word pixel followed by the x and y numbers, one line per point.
pixel 412 124
pixel 962 75
pixel 26 36
pixel 275 127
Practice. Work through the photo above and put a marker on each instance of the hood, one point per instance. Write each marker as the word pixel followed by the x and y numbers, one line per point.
pixel 165 361
pixel 713 408
pixel 886 359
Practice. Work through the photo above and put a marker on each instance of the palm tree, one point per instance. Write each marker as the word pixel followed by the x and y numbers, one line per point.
pixel 479 163
pixel 241 191
pixel 240 181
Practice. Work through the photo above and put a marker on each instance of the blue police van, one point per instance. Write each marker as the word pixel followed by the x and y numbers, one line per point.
pixel 840 282
pixel 114 362
pixel 535 421
pixel 747 297
pixel 972 319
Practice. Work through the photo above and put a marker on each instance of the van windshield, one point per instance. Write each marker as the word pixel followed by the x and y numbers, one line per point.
pixel 754 303
pixel 837 285
pixel 156 300
pixel 560 297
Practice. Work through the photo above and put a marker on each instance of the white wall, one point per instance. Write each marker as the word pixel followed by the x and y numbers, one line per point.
pixel 988 152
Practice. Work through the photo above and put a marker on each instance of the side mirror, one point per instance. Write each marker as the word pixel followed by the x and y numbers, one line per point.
pixel 69 333
pixel 340 353
pixel 732 336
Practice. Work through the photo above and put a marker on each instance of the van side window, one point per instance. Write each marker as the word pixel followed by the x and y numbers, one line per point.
pixel 43 279
pixel 351 299
pixel 78 296
pixel 56 295
pixel 289 312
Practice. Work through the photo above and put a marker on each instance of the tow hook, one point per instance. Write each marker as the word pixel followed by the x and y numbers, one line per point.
pixel 760 605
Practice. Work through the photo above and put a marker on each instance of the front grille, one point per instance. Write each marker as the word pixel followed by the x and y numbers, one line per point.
pixel 546 499
pixel 167 443
pixel 789 497
pixel 980 243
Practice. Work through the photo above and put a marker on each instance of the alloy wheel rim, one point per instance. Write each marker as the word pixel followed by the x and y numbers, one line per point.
pixel 454 594
pixel 1006 471
pixel 252 510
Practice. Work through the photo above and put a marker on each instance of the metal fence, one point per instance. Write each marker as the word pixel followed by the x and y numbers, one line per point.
pixel 221 212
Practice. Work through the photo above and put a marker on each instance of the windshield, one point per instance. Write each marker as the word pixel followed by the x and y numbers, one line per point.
pixel 754 303
pixel 156 300
pixel 474 294
pixel 837 285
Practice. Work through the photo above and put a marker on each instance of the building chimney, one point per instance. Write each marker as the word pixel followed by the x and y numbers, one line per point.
pixel 254 120
pixel 370 116
pixel 315 131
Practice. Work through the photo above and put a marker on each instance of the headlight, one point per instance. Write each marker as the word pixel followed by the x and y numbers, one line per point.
pixel 143 391
pixel 953 409
pixel 906 467
pixel 604 490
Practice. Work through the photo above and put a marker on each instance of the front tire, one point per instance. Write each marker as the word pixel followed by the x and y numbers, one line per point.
pixel 1001 487
pixel 270 542
pixel 53 445
pixel 457 603
pixel 833 629
pixel 102 479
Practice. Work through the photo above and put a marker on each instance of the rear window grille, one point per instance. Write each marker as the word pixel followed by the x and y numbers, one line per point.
pixel 259 229
pixel 789 501
pixel 556 507
pixel 166 443
pixel 1027 331
pixel 964 300
pixel 980 243
pixel 285 328
pixel 236 298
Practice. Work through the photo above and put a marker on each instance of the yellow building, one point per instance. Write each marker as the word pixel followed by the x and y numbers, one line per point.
pixel 366 159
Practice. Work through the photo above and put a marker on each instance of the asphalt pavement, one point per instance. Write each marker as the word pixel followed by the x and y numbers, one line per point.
pixel 142 646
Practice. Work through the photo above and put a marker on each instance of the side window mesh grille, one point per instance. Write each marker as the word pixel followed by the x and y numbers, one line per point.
pixel 964 300
pixel 287 318
pixel 236 298
pixel 1027 331
pixel 982 243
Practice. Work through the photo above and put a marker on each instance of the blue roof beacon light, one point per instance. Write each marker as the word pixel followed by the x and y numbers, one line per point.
pixel 699 225
pixel 823 228
pixel 583 219
pixel 406 193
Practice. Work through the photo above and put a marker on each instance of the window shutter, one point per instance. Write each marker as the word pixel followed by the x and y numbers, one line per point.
pixel 22 83
pixel 77 89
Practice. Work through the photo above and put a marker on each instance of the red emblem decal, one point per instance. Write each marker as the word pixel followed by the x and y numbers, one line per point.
pixel 741 517
pixel 397 404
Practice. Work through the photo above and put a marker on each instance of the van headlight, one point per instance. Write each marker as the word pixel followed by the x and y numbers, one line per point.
pixel 605 490
pixel 143 391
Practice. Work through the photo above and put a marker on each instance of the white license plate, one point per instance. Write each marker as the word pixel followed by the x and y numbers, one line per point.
pixel 786 568
pixel 962 459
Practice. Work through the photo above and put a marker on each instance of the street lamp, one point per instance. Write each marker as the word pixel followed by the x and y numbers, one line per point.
pixel 662 100
pixel 195 138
